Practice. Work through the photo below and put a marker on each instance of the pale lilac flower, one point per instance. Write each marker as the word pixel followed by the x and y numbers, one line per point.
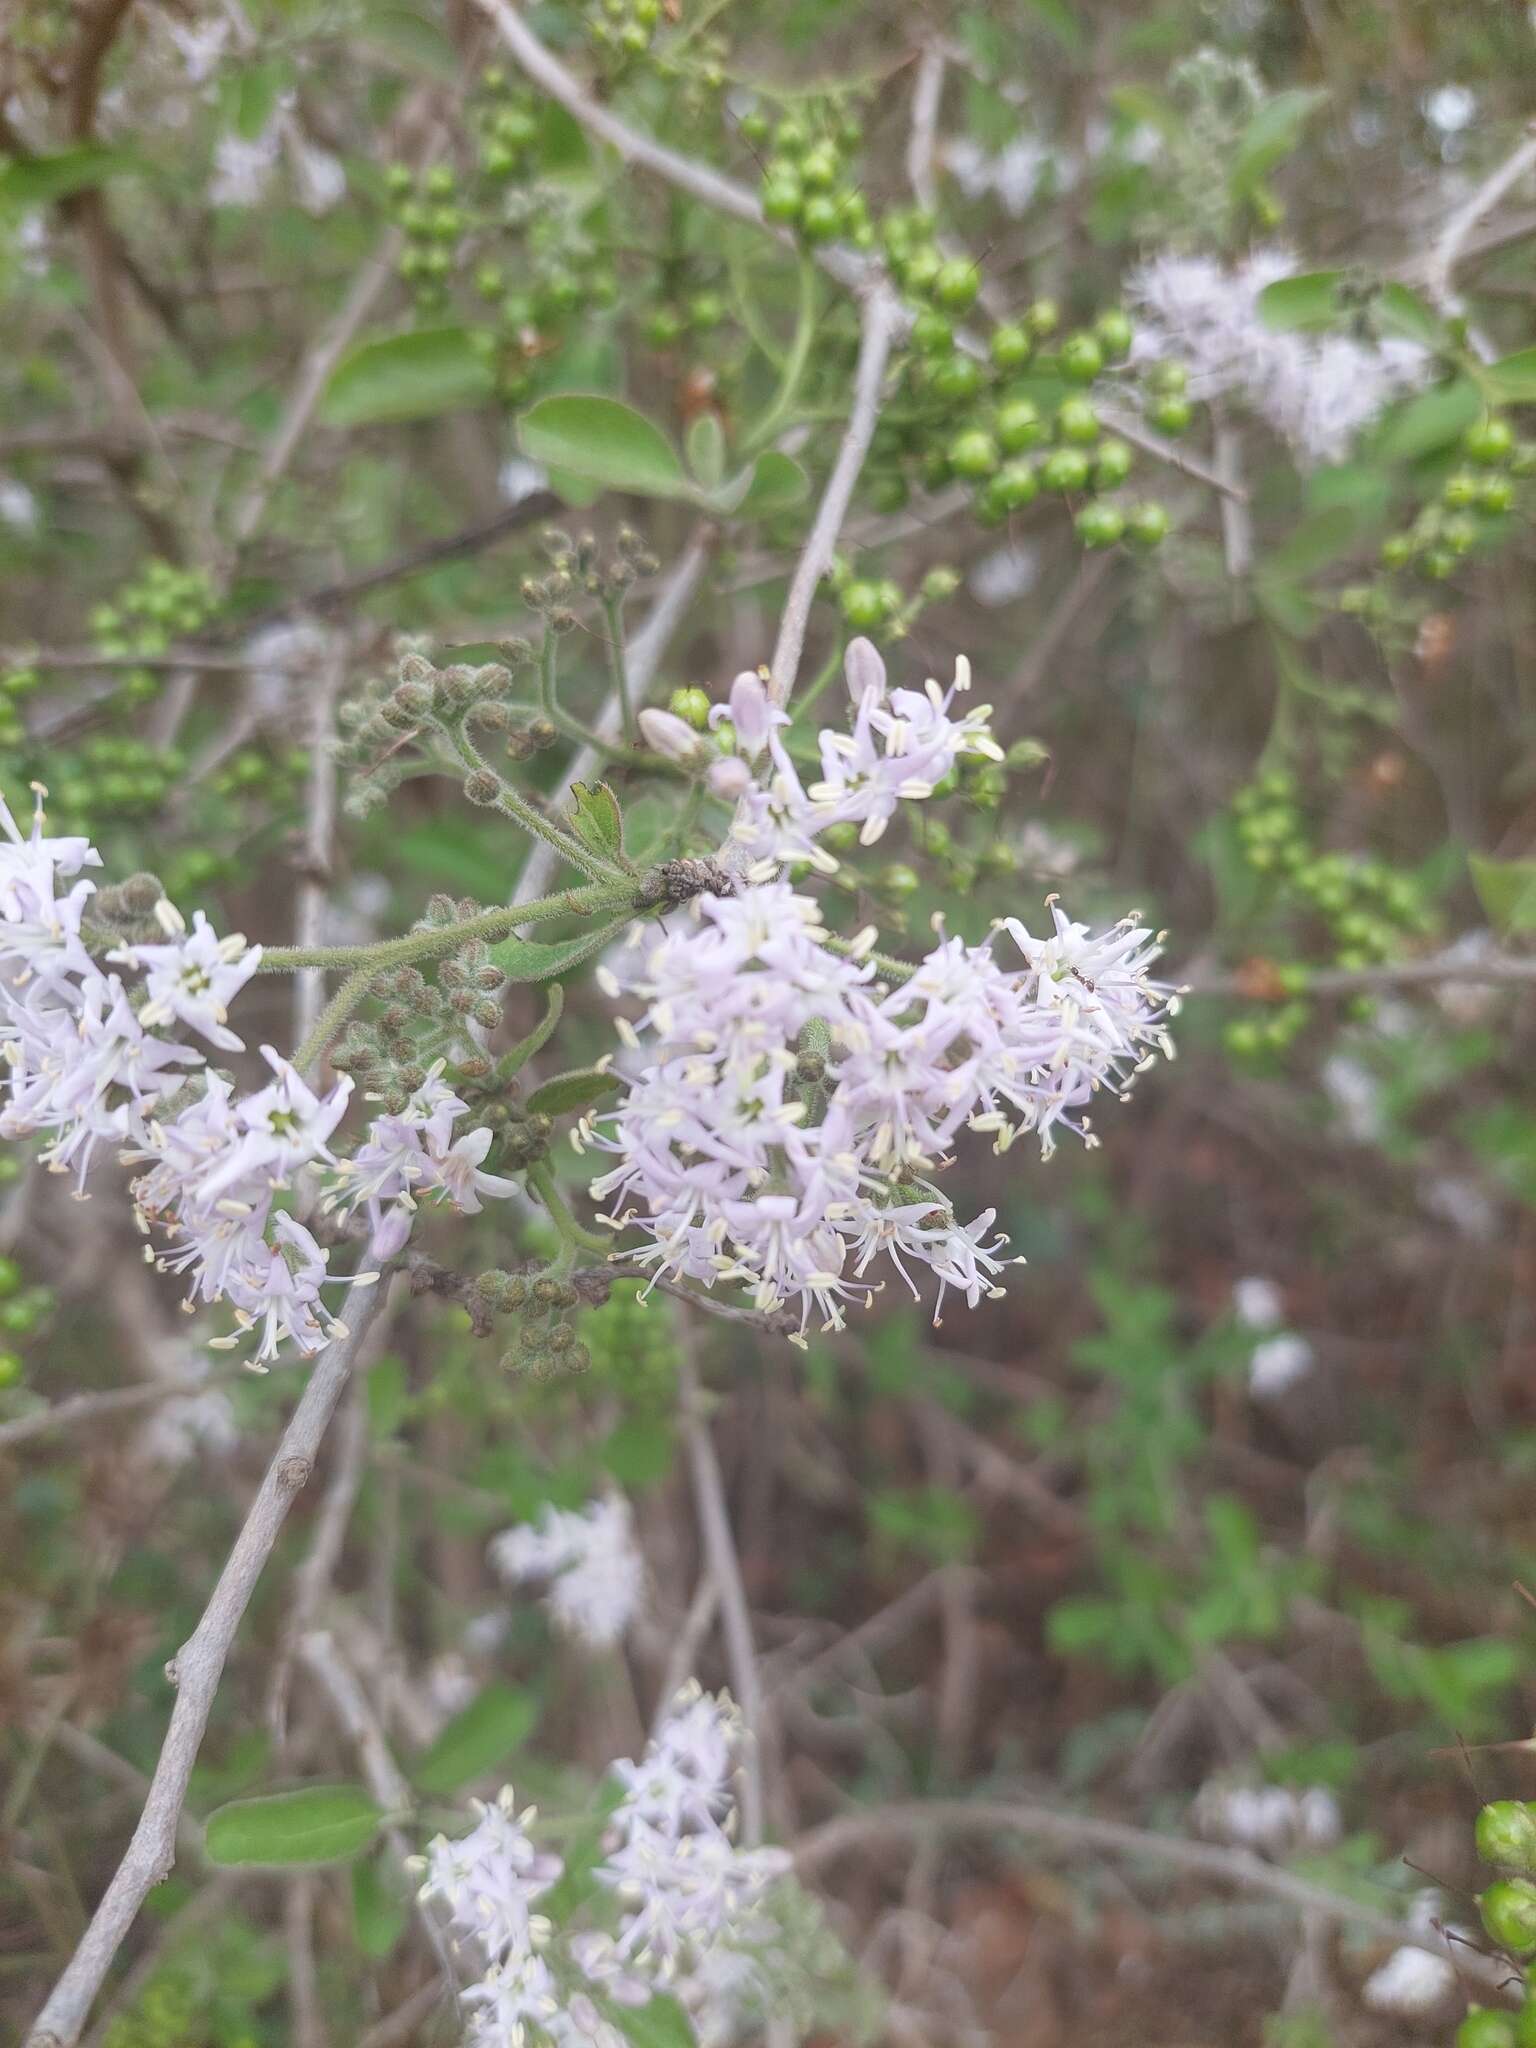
pixel 674 738
pixel 281 1128
pixel 490 1880
pixel 1258 1302
pixel 596 1574
pixel 194 977
pixel 1279 1362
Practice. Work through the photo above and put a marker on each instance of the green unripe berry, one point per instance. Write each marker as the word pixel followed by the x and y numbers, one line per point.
pixel 398 179
pixel 634 39
pixel 753 125
pixel 1077 422
pixel 1460 533
pixel 920 270
pixel 990 504
pixel 782 198
pixel 1439 563
pixel 1080 358
pixel 790 138
pixel 973 454
pixel 1522 461
pixel 956 378
pixel 1509 1914
pixel 664 327
pixel 1012 346
pixel 819 168
pixel 1485 2029
pixel 841 838
pixel 10 1368
pixel 1397 551
pixel 1114 332
pixel 1112 465
pixel 1016 485
pixel 691 704
pixel 1147 525
pixel 956 285
pixel 1496 494
pixel 898 880
pixel 1506 1834
pixel 932 334
pixel 1460 489
pixel 1489 440
pixel 863 606
pixel 818 218
pixel 1065 469
pixel 1171 379
pixel 1171 415
pixel 1043 317
pixel 1018 426
pixel 1525 2022
pixel 1100 525
pixel 706 310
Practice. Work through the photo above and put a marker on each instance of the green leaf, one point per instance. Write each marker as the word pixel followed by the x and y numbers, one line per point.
pixel 1514 378
pixel 1310 300
pixel 1507 891
pixel 661 2023
pixel 1401 311
pixel 706 450
pixel 604 441
pixel 1430 421
pixel 778 483
pixel 407 377
pixel 1318 540
pixel 537 960
pixel 514 1061
pixel 1270 137
pixel 596 819
pixel 40 180
pixel 638 1452
pixel 476 1742
pixel 1148 109
pixel 572 1090
pixel 379 1908
pixel 408 42
pixel 312 1824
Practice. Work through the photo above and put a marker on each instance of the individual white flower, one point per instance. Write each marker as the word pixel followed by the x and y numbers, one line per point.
pixel 1009 572
pixel 319 178
pixel 188 1423
pixel 282 1127
pixel 194 977
pixel 1356 1094
pixel 1279 1362
pixel 1258 1302
pixel 243 167
pixel 18 505
pixel 200 44
pixel 490 1879
pixel 1410 1981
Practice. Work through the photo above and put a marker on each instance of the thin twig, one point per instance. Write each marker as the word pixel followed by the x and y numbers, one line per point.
pixel 319 833
pixel 81 1410
pixel 197 1669
pixel 1491 970
pixel 1439 269
pixel 882 321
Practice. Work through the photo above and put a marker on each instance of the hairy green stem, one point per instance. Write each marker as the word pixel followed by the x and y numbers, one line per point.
pixel 618 665
pixel 333 1017
pixel 569 848
pixel 561 719
pixel 541 1181
pixel 489 924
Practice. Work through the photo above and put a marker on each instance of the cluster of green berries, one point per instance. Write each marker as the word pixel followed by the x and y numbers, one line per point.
pixel 1506 1838
pixel 1475 498
pixel 806 184
pixel 681 311
pixel 1367 907
pixel 111 776
pixel 624 28
pixel 164 604
pixel 506 126
pixel 882 607
pixel 15 685
pixel 631 1345
pixel 427 211
pixel 22 1309
pixel 963 869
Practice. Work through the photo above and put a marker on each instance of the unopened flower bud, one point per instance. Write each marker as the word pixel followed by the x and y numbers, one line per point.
pixel 482 787
pixel 541 733
pixel 415 668
pixel 729 778
pixel 1509 1914
pixel 673 738
pixel 487 1013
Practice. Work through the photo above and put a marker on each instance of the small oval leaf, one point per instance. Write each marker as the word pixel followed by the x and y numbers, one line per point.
pixel 311 1824
pixel 477 1742
pixel 407 377
pixel 1310 300
pixel 596 820
pixel 581 434
pixel 572 1090
pixel 536 960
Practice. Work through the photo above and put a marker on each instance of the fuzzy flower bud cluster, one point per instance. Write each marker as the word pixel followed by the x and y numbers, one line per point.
pixel 596 1574
pixel 97 1065
pixel 788 1104
pixel 1317 391
pixel 686 1901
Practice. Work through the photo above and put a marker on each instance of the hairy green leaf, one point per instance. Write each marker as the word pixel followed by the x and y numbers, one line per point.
pixel 477 1742
pixel 574 1089
pixel 596 819
pixel 1507 891
pixel 311 1824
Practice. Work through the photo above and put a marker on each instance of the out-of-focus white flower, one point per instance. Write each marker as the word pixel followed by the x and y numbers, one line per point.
pixel 1355 1093
pixel 1279 1362
pixel 1463 1203
pixel 1317 391
pixel 596 1574
pixel 187 1424
pixel 1450 108
pixel 1007 573
pixel 1275 1820
pixel 520 479
pixel 284 661
pixel 200 44
pixel 18 507
pixel 1410 1981
pixel 450 1684
pixel 243 167
pixel 1258 1302
pixel 1013 174
pixel 319 179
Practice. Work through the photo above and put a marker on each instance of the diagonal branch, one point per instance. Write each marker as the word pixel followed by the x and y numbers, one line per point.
pixel 197 1669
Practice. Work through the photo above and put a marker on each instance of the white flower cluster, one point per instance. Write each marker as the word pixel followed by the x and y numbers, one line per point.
pixel 1317 391
pixel 1281 1356
pixel 689 1898
pixel 1276 1820
pixel 785 1113
pixel 89 1066
pixel 596 1574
